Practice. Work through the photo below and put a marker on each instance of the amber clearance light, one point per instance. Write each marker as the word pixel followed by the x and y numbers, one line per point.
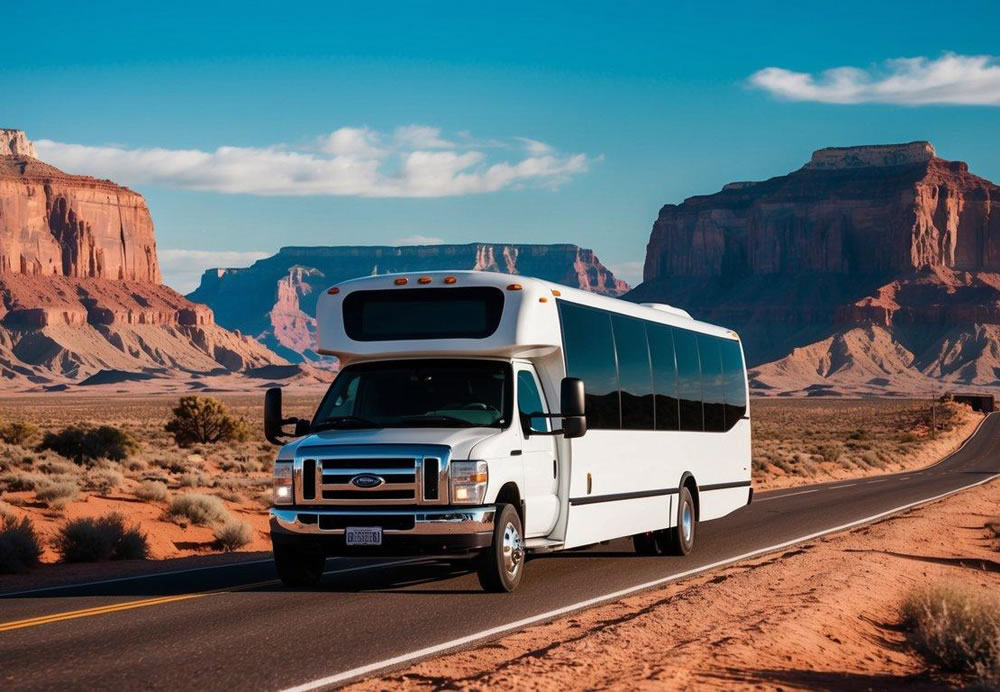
pixel 333 291
pixel 424 280
pixel 450 279
pixel 514 287
pixel 402 281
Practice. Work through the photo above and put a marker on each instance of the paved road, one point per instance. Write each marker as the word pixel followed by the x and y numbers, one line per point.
pixel 235 626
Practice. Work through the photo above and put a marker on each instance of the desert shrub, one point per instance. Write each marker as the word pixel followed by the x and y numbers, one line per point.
pixel 828 451
pixel 80 444
pixel 993 526
pixel 6 511
pixel 104 480
pixel 152 491
pixel 194 480
pixel 860 434
pixel 18 433
pixel 198 509
pixel 135 465
pixel 53 467
pixel 229 495
pixel 19 481
pixel 956 627
pixel 233 535
pixel 20 547
pixel 908 437
pixel 205 420
pixel 57 494
pixel 106 538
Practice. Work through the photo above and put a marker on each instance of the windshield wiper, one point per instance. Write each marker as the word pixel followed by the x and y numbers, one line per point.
pixel 344 423
pixel 437 420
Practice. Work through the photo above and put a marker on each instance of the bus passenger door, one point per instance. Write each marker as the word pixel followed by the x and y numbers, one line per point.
pixel 538 453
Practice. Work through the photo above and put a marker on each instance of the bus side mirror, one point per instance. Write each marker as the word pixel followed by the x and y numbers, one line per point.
pixel 274 421
pixel 572 402
pixel 272 416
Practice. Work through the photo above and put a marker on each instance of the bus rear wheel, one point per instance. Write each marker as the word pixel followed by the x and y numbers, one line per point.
pixel 680 539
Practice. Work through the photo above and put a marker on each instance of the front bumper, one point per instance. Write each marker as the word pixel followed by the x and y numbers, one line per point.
pixel 441 530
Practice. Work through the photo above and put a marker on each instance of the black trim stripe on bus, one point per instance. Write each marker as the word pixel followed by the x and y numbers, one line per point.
pixel 615 497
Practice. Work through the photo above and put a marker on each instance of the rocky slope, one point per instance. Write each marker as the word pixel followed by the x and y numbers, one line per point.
pixel 80 289
pixel 275 299
pixel 870 268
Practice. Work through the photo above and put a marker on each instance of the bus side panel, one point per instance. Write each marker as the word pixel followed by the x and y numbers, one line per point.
pixel 622 462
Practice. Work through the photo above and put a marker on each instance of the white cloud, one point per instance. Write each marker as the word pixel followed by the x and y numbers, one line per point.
pixel 951 79
pixel 413 161
pixel 182 269
pixel 629 272
pixel 418 240
pixel 533 146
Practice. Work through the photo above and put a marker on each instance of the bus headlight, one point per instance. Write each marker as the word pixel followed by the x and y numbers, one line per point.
pixel 282 494
pixel 468 482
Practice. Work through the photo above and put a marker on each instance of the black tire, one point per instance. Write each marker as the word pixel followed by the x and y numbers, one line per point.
pixel 299 566
pixel 647 543
pixel 501 566
pixel 680 540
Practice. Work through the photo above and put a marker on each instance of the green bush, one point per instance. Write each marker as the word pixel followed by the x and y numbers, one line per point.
pixel 198 509
pixel 18 432
pixel 20 547
pixel 105 538
pixel 205 420
pixel 152 491
pixel 233 535
pixel 80 444
pixel 956 627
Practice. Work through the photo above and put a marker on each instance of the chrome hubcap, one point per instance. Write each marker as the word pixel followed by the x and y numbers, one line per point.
pixel 513 550
pixel 687 522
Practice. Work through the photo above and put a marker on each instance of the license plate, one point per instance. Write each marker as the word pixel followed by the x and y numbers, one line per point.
pixel 364 535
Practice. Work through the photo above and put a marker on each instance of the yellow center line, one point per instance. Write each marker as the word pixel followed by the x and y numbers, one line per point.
pixel 119 607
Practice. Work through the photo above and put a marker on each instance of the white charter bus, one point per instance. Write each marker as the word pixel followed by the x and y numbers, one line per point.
pixel 492 415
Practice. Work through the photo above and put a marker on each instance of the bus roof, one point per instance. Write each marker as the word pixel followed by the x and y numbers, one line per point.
pixel 528 326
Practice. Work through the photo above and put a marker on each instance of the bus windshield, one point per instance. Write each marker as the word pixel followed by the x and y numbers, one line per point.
pixel 418 393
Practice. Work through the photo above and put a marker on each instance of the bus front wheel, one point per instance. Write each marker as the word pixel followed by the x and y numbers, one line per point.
pixel 502 564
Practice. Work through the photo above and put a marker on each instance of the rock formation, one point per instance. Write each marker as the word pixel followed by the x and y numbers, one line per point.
pixel 80 286
pixel 275 299
pixel 889 240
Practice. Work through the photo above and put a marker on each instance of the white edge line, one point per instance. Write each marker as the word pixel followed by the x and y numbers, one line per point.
pixel 846 485
pixel 778 497
pixel 551 614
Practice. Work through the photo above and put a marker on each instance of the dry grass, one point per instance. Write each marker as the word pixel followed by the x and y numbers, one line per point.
pixel 105 538
pixel 233 535
pixel 814 440
pixel 198 509
pixel 152 491
pixel 20 546
pixel 957 628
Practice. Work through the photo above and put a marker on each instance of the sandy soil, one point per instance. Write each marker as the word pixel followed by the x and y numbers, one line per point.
pixel 796 620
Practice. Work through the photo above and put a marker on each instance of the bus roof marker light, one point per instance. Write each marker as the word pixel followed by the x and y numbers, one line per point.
pixel 450 279
pixel 514 287
pixel 556 292
pixel 401 281
pixel 424 280
pixel 543 299
pixel 332 291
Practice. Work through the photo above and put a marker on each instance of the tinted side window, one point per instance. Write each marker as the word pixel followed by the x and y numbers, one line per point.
pixel 635 380
pixel 736 386
pixel 530 401
pixel 688 379
pixel 661 350
pixel 712 385
pixel 590 355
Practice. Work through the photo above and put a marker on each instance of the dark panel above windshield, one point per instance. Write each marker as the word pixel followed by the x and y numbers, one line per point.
pixel 423 313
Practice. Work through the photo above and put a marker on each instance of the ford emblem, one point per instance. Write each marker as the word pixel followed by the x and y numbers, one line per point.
pixel 367 480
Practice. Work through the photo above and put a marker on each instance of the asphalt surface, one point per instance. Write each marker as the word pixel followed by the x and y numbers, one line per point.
pixel 237 627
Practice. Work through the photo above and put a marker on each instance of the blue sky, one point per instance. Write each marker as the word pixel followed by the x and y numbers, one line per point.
pixel 536 122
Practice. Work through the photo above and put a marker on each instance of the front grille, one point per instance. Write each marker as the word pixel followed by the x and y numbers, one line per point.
pixel 372 475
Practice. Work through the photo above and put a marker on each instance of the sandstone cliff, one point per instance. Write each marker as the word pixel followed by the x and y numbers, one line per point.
pixel 80 287
pixel 886 250
pixel 275 299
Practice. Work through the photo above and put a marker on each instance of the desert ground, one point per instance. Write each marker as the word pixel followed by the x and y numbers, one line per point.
pixel 795 442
